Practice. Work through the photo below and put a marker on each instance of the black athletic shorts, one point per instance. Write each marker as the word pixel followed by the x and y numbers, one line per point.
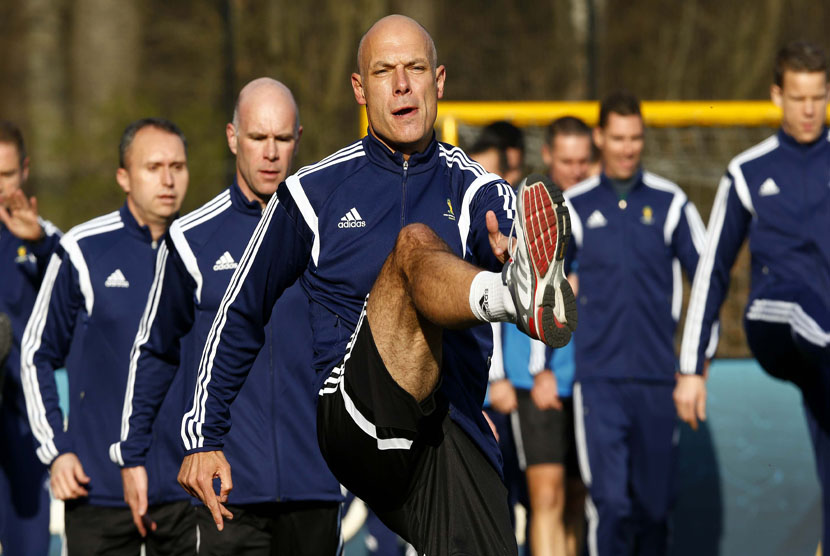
pixel 106 530
pixel 301 528
pixel 545 436
pixel 415 467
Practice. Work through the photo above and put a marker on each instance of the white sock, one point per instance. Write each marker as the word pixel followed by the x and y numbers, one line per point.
pixel 490 299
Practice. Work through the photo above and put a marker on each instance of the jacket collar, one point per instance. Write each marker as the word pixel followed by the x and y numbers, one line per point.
pixel 241 203
pixel 381 155
pixel 606 181
pixel 787 140
pixel 132 226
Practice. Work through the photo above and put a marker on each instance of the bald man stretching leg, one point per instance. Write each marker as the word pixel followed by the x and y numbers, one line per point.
pixel 402 376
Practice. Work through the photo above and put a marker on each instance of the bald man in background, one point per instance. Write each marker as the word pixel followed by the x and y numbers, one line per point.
pixel 285 499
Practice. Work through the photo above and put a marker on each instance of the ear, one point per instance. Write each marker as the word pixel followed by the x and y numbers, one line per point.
pixel 599 138
pixel 357 87
pixel 25 170
pixel 440 77
pixel 547 155
pixel 776 94
pixel 297 140
pixel 230 133
pixel 123 179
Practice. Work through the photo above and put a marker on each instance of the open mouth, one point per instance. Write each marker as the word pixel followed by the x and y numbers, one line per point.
pixel 405 111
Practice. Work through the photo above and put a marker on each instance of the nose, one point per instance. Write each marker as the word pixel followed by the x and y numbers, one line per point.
pixel 401 81
pixel 167 177
pixel 809 107
pixel 271 149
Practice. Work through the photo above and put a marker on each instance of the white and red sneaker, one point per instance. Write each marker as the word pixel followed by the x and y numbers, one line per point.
pixel 545 303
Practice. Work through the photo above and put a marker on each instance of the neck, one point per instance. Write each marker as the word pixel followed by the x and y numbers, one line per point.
pixel 249 193
pixel 406 150
pixel 156 227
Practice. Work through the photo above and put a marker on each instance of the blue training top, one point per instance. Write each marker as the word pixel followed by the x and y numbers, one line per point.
pixel 778 195
pixel 85 317
pixel 273 446
pixel 630 253
pixel 332 225
pixel 22 266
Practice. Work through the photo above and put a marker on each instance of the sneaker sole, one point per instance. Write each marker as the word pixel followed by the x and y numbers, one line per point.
pixel 547 233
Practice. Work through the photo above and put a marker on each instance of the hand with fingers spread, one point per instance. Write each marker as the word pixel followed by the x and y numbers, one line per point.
pixel 68 478
pixel 545 392
pixel 690 397
pixel 19 215
pixel 498 241
pixel 135 495
pixel 503 396
pixel 196 477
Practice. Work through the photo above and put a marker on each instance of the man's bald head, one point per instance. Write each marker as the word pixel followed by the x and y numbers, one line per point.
pixel 264 136
pixel 392 25
pixel 264 89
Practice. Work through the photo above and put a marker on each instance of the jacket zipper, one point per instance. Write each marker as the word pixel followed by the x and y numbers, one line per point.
pixel 403 193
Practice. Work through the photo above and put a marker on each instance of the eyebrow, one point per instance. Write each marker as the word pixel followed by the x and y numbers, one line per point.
pixel 387 63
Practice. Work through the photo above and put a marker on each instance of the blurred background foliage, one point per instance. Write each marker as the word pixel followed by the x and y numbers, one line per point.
pixel 76 72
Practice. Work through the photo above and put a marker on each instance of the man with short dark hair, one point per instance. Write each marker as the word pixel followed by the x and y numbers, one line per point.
pixel 566 151
pixel 403 370
pixel 26 242
pixel 285 500
pixel 85 318
pixel 501 145
pixel 633 231
pixel 776 195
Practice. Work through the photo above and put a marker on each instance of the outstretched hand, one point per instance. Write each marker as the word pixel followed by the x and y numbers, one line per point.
pixel 19 215
pixel 196 477
pixel 498 241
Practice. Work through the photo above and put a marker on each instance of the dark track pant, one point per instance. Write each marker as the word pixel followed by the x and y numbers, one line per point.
pixel 627 444
pixel 101 530
pixel 788 331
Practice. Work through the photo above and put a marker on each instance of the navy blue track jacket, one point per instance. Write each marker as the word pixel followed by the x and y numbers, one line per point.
pixel 332 225
pixel 778 194
pixel 85 318
pixel 629 255
pixel 22 266
pixel 273 446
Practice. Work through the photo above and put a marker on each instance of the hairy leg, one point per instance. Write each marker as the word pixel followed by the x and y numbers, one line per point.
pixel 546 488
pixel 422 288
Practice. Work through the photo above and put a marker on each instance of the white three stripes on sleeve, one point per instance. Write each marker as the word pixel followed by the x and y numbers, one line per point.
pixel 193 420
pixel 32 337
pixel 143 335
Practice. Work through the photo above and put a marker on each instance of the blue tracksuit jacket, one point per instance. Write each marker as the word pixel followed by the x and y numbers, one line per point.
pixel 24 496
pixel 332 225
pixel 778 194
pixel 22 266
pixel 630 255
pixel 85 317
pixel 273 442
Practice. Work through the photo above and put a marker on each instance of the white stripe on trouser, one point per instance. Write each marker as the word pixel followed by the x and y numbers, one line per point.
pixel 369 428
pixel 591 513
pixel 516 425
pixel 335 382
pixel 788 312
